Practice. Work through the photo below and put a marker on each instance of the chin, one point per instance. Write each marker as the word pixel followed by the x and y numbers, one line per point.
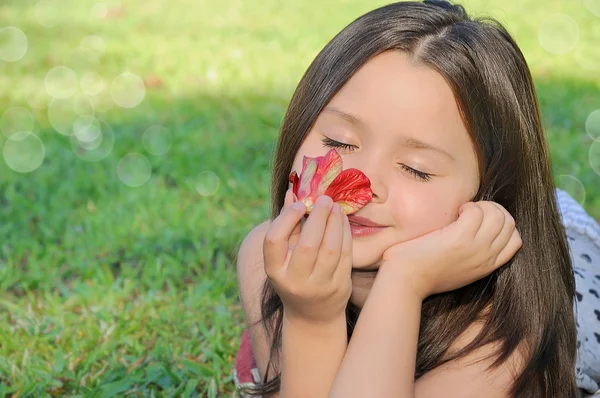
pixel 363 262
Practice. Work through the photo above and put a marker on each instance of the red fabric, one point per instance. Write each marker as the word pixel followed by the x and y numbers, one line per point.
pixel 244 360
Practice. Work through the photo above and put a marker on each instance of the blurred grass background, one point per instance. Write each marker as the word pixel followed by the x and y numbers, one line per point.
pixel 117 275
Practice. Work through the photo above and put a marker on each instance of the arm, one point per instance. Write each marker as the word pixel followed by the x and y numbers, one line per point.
pixel 380 359
pixel 311 355
pixel 482 239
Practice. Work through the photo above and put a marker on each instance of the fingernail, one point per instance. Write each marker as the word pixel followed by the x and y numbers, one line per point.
pixel 321 200
pixel 299 206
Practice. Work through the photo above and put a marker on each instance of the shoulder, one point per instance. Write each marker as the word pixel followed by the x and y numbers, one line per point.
pixel 469 375
pixel 251 277
pixel 251 248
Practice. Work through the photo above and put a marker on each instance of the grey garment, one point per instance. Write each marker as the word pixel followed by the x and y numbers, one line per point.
pixel 583 236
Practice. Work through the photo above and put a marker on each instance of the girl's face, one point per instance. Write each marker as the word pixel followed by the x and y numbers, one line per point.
pixel 407 136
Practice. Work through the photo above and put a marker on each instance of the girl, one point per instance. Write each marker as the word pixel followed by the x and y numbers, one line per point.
pixel 440 112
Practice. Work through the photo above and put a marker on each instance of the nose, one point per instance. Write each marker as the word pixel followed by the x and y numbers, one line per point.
pixel 372 166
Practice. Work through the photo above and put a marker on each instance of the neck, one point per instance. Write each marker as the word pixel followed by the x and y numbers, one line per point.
pixel 362 280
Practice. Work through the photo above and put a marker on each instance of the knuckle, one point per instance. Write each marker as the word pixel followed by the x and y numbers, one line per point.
pixel 330 252
pixel 305 248
pixel 498 215
pixel 473 208
pixel 518 239
pixel 272 273
pixel 511 222
pixel 270 239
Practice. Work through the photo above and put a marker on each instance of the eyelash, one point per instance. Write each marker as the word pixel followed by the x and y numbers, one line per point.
pixel 328 142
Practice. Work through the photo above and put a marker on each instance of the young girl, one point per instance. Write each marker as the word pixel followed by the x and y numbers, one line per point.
pixel 466 287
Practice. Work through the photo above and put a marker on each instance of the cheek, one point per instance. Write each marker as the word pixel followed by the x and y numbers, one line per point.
pixel 421 214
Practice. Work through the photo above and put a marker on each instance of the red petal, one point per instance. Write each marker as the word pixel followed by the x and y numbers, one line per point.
pixel 351 189
pixel 307 177
pixel 328 168
pixel 324 175
pixel 295 180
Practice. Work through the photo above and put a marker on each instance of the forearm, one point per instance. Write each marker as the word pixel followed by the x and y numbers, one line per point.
pixel 311 356
pixel 380 358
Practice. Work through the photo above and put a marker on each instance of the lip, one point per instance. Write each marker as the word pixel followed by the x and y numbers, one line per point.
pixel 365 222
pixel 360 230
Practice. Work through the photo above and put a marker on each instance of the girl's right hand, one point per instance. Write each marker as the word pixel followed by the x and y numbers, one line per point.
pixel 311 275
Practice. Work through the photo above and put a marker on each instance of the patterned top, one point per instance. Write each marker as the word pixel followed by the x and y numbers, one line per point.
pixel 583 235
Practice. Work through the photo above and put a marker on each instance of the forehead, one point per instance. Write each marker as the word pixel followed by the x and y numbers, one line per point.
pixel 399 100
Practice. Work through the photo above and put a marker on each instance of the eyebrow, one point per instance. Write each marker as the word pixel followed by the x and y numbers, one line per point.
pixel 408 142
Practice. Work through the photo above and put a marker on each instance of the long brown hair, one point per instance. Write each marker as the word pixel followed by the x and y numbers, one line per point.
pixel 531 297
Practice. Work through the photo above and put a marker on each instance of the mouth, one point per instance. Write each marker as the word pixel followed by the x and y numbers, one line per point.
pixel 364 222
pixel 362 230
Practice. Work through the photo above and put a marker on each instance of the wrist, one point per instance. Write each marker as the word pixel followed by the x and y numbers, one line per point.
pixel 292 321
pixel 393 277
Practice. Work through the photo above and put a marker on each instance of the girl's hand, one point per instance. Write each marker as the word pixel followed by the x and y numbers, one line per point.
pixel 309 267
pixel 482 239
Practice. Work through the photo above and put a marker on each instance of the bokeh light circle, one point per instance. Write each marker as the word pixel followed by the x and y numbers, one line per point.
pixel 23 154
pixel 13 44
pixel 61 82
pixel 92 47
pixel 594 156
pixel 99 148
pixel 592 124
pixel 207 183
pixel 236 53
pixel 101 102
pixel 62 113
pixel 587 51
pixel 99 10
pixel 572 186
pixel 87 129
pixel 593 6
pixel 91 83
pixel 558 33
pixel 134 170
pixel 81 60
pixel 212 74
pixel 15 120
pixel 48 13
pixel 127 90
pixel 157 140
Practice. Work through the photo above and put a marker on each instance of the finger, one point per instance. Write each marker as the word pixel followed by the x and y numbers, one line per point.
pixel 276 241
pixel 291 198
pixel 344 269
pixel 469 221
pixel 331 247
pixel 305 253
pixel 505 234
pixel 511 248
pixel 289 195
pixel 494 220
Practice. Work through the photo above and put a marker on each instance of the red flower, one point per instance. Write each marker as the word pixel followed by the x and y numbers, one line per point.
pixel 323 175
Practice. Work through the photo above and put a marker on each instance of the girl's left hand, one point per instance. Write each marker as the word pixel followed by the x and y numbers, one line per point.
pixel 482 239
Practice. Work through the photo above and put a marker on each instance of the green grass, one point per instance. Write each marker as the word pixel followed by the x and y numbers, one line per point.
pixel 109 289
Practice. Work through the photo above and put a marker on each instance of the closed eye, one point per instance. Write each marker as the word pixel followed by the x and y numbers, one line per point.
pixel 328 142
